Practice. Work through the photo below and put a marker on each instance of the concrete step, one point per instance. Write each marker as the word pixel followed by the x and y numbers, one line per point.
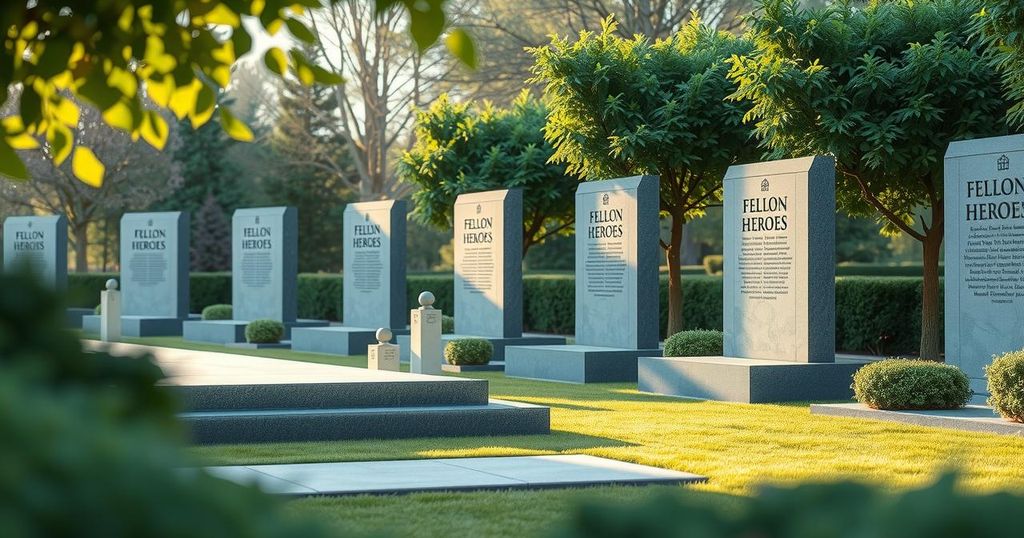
pixel 496 417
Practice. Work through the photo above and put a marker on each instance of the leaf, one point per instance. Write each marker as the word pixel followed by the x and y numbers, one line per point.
pixel 54 59
pixel 461 45
pixel 205 104
pixel 10 164
pixel 234 127
pixel 299 31
pixel 61 142
pixel 276 61
pixel 154 130
pixel 326 77
pixel 120 116
pixel 67 112
pixel 87 167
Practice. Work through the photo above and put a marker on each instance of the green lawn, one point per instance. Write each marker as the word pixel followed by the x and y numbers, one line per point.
pixel 738 446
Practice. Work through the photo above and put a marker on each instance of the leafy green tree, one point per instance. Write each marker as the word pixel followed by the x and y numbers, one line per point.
pixel 463 148
pixel 211 237
pixel 859 239
pixel 1002 24
pixel 884 89
pixel 621 107
pixel 179 53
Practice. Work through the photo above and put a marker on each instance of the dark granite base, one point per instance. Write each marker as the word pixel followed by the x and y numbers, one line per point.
pixel 466 368
pixel 260 345
pixel 137 326
pixel 973 418
pixel 499 343
pixel 336 339
pixel 746 380
pixel 233 331
pixel 574 363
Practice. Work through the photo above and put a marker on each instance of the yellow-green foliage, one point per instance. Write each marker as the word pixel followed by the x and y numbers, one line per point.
pixel 468 351
pixel 217 312
pixel 911 384
pixel 699 343
pixel 264 331
pixel 1006 385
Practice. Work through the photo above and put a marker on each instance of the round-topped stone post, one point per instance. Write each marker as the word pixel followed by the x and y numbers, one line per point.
pixel 425 339
pixel 110 313
pixel 383 355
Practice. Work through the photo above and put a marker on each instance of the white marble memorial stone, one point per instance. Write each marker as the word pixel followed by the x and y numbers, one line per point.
pixel 779 276
pixel 155 264
pixel 39 244
pixel 488 228
pixel 264 263
pixel 374 293
pixel 110 313
pixel 984 285
pixel 425 353
pixel 383 355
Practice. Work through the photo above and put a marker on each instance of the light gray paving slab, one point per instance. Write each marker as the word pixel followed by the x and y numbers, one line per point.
pixel 408 476
pixel 251 477
pixel 974 418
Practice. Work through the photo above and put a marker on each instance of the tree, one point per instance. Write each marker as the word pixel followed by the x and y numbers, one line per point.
pixel 621 107
pixel 211 237
pixel 656 18
pixel 1002 24
pixel 178 52
pixel 467 147
pixel 859 239
pixel 136 176
pixel 883 89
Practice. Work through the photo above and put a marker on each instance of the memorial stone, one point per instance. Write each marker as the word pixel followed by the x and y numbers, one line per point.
pixel 110 313
pixel 374 284
pixel 383 355
pixel 984 284
pixel 40 245
pixel 425 354
pixel 617 258
pixel 779 293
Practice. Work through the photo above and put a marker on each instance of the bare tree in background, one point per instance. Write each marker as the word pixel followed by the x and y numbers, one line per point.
pixel 136 176
pixel 656 18
pixel 385 79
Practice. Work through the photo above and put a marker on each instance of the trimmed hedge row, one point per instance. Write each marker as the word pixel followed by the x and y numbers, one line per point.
pixel 879 315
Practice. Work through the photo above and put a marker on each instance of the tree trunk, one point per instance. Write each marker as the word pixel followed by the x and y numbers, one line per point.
pixel 81 234
pixel 931 328
pixel 675 284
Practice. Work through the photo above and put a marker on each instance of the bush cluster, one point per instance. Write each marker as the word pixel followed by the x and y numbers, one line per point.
pixel 911 384
pixel 698 343
pixel 264 331
pixel 447 324
pixel 468 351
pixel 1006 385
pixel 877 315
pixel 218 312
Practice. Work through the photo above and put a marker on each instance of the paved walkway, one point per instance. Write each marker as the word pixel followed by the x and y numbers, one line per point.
pixel 974 418
pixel 461 474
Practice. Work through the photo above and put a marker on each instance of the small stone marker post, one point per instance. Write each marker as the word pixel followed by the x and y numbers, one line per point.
pixel 425 347
pixel 110 313
pixel 383 355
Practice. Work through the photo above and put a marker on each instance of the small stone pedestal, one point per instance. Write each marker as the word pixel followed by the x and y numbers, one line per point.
pixel 110 313
pixel 382 355
pixel 425 354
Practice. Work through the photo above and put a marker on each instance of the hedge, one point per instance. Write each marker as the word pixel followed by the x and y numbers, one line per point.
pixel 877 315
pixel 911 384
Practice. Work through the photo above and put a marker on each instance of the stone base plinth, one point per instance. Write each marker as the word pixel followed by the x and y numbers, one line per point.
pixel 231 331
pixel 73 316
pixel 137 326
pixel 574 363
pixel 469 368
pixel 499 343
pixel 746 380
pixel 337 339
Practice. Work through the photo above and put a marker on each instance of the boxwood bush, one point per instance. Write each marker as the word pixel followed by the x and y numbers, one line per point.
pixel 264 331
pixel 468 351
pixel 911 384
pixel 217 312
pixel 1006 385
pixel 447 324
pixel 698 343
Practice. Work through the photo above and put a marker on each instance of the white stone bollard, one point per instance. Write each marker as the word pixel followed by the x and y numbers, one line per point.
pixel 110 313
pixel 425 341
pixel 383 355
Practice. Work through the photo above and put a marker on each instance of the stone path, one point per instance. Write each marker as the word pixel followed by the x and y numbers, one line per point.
pixel 462 474
pixel 974 418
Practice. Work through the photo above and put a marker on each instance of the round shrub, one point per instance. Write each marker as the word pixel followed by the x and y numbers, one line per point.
pixel 911 384
pixel 447 324
pixel 217 311
pixel 98 310
pixel 264 331
pixel 1006 385
pixel 468 351
pixel 698 343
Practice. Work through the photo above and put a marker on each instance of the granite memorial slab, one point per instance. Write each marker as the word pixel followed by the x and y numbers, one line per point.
pixel 617 258
pixel 488 241
pixel 984 284
pixel 264 266
pixel 374 284
pixel 779 293
pixel 154 274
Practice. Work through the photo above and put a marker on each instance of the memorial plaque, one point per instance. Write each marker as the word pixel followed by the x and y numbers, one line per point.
pixel 488 229
pixel 779 276
pixel 41 245
pixel 984 285
pixel 374 292
pixel 155 264
pixel 264 263
pixel 617 258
